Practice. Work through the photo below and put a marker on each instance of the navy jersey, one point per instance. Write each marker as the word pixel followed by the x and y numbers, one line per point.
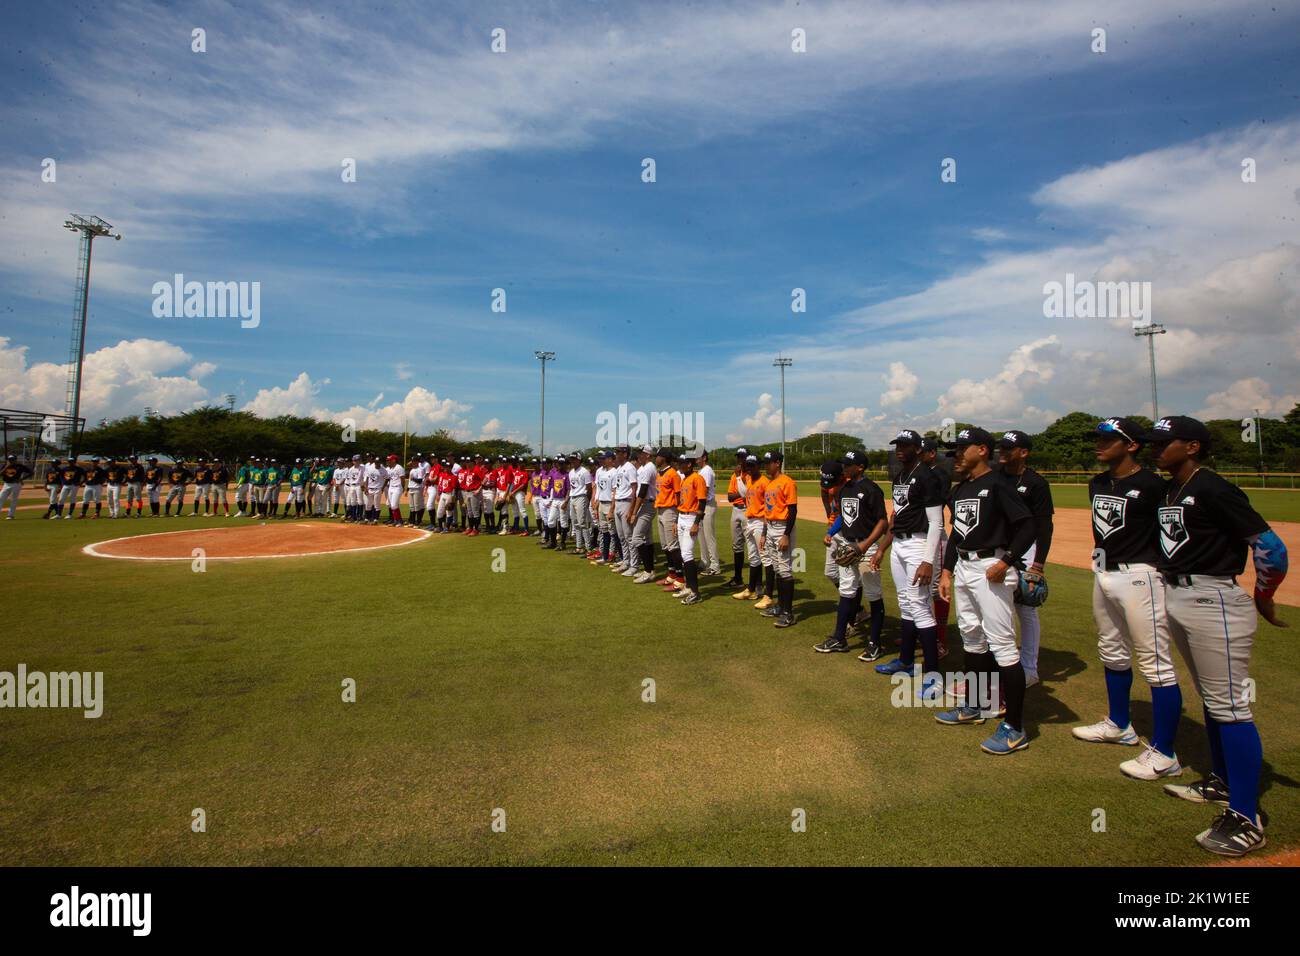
pixel 1124 516
pixel 1204 525
pixel 914 490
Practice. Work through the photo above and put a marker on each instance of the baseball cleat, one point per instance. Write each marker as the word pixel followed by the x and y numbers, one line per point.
pixel 960 715
pixel 931 688
pixel 692 597
pixel 832 645
pixel 773 611
pixel 1151 764
pixel 735 585
pixel 871 652
pixel 745 595
pixel 631 572
pixel 1107 732
pixel 1232 834
pixel 1209 790
pixel 1030 679
pixel 1005 740
pixel 784 620
pixel 645 577
pixel 765 602
pixel 896 666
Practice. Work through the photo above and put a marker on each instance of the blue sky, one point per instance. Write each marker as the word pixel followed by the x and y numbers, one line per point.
pixel 522 170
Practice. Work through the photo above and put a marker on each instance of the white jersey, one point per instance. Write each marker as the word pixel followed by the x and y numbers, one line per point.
pixel 624 480
pixel 710 482
pixel 456 468
pixel 647 476
pixel 416 478
pixel 340 473
pixel 395 475
pixel 352 474
pixel 604 484
pixel 579 482
pixel 373 477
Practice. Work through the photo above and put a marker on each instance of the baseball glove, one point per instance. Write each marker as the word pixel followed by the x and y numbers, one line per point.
pixel 847 555
pixel 1031 589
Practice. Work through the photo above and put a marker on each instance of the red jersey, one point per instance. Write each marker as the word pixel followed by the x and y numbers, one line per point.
pixel 518 480
pixel 446 482
pixel 471 479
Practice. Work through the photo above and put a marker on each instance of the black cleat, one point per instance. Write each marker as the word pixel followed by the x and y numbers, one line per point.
pixel 1209 790
pixel 871 652
pixel 832 645
pixel 784 620
pixel 1231 834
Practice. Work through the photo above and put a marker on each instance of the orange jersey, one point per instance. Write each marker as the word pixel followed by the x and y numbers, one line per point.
pixel 694 490
pixel 780 493
pixel 755 498
pixel 733 491
pixel 670 483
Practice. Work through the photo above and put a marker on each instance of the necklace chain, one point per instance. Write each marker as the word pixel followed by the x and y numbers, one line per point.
pixel 1170 499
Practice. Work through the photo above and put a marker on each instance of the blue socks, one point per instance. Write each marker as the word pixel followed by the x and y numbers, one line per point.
pixel 1244 755
pixel 907 648
pixel 843 614
pixel 1118 685
pixel 1167 707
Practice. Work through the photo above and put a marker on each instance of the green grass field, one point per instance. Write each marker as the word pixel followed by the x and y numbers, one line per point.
pixel 522 690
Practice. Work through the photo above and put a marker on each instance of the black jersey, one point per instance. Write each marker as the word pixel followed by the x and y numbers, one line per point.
pixel 861 505
pixel 987 514
pixel 73 475
pixel 1036 493
pixel 179 475
pixel 219 475
pixel 114 473
pixel 915 490
pixel 153 476
pixel 1124 516
pixel 53 477
pixel 202 475
pixel 98 476
pixel 13 472
pixel 1204 525
pixel 134 474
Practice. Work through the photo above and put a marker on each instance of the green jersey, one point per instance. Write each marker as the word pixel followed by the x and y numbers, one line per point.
pixel 241 476
pixel 274 475
pixel 257 475
pixel 298 477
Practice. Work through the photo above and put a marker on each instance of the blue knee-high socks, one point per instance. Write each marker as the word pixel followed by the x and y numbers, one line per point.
pixel 1238 757
pixel 1167 707
pixel 1118 686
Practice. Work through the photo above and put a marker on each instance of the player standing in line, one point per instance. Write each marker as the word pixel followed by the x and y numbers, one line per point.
pixel 593 535
pixel 446 490
pixel 12 475
pixel 96 478
pixel 376 477
pixel 202 480
pixel 668 484
pixel 755 485
pixel 275 473
pixel 488 495
pixel 114 473
pixel 1014 447
pixel 736 498
pixel 604 505
pixel 336 492
pixel 395 477
pixel 242 487
pixel 471 481
pixel 1128 599
pixel 431 478
pixel 691 498
pixel 831 480
pixel 929 455
pixel 71 478
pixel 352 490
pixel 220 483
pixel 257 487
pixel 580 505
pixel 518 493
pixel 299 473
pixel 153 479
pixel 52 486
pixel 708 560
pixel 913 538
pixel 134 477
pixel 859 521
pixel 624 489
pixel 417 468
pixel 991 528
pixel 641 518
pixel 1205 526
pixel 179 476
pixel 781 510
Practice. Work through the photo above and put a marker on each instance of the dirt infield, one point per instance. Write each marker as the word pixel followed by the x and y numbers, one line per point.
pixel 1072 544
pixel 287 540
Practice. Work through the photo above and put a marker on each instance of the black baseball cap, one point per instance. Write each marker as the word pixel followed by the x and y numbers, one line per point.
pixel 971 436
pixel 742 452
pixel 832 472
pixel 907 437
pixel 1124 428
pixel 1015 439
pixel 1176 427
pixel 773 456
pixel 854 456
pixel 666 452
pixel 929 444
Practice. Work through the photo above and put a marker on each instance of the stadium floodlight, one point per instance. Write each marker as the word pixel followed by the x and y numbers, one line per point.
pixel 90 228
pixel 1151 330
pixel 783 364
pixel 543 357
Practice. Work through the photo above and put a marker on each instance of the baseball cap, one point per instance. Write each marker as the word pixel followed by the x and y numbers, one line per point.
pixel 751 459
pixel 606 454
pixel 682 456
pixel 832 471
pixel 1015 439
pixel 647 449
pixel 354 458
pixel 854 456
pixel 1124 428
pixel 929 444
pixel 971 436
pixel 624 449
pixel 773 456
pixel 1179 427
pixel 392 458
pixel 666 452
pixel 742 452
pixel 907 437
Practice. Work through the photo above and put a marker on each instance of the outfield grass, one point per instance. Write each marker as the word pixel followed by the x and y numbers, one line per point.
pixel 522 690
pixel 1273 504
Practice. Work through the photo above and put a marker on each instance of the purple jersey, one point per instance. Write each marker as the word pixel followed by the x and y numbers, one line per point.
pixel 558 481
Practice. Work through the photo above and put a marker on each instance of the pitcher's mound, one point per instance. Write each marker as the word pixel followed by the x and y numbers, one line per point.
pixel 273 539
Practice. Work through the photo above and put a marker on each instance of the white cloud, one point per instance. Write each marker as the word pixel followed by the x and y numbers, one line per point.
pixel 403 371
pixel 1000 398
pixel 900 385
pixel 1241 399
pixel 420 411
pixel 765 422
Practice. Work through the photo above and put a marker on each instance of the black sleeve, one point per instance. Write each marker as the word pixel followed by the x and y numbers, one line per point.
pixel 877 511
pixel 933 493
pixel 1022 536
pixel 950 553
pixel 1042 538
pixel 1020 521
pixel 1233 513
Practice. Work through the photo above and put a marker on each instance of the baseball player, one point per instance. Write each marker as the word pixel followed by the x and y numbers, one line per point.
pixel 667 485
pixel 911 543
pixel 241 489
pixel 53 483
pixel 299 474
pixel 395 476
pixel 1128 599
pixel 470 480
pixel 1205 525
pixel 929 455
pixel 640 518
pixel 217 491
pixel 580 505
pixel 860 521
pixel 179 476
pixel 991 529
pixel 736 498
pixel 72 477
pixel 624 489
pixel 134 477
pixel 416 470
pixel 12 475
pixel 93 490
pixel 337 493
pixel 708 533
pixel 603 483
pixel 114 476
pixel 275 473
pixel 153 479
pixel 691 498
pixel 202 483
pixel 780 512
pixel 446 497
pixel 830 481
pixel 488 495
pixel 1013 449
pixel 374 477
pixel 755 485
pixel 257 487
pixel 517 492
pixel 557 516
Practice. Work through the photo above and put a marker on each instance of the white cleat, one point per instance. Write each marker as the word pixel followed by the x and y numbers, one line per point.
pixel 1151 764
pixel 1106 732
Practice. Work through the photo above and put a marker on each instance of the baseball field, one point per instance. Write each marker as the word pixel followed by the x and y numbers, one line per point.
pixel 498 682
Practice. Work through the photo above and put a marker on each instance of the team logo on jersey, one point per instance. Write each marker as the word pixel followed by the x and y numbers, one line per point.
pixel 849 508
pixel 900 497
pixel 1173 532
pixel 966 516
pixel 1108 514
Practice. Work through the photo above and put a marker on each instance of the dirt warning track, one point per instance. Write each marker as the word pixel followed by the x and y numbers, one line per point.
pixel 265 540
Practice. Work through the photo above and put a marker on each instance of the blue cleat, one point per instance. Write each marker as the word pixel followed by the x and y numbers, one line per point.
pixel 896 666
pixel 960 715
pixel 931 688
pixel 1006 739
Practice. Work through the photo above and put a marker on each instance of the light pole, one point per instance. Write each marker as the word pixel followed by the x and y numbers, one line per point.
pixel 1151 330
pixel 783 364
pixel 89 228
pixel 543 357
pixel 1259 434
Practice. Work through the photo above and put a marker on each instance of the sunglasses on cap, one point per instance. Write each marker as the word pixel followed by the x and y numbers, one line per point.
pixel 1110 428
